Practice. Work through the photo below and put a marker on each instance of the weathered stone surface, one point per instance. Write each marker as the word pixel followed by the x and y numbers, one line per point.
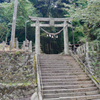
pixel 16 75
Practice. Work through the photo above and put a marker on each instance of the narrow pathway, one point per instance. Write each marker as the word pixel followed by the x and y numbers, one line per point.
pixel 63 79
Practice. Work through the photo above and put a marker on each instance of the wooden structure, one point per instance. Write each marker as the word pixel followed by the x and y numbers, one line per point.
pixel 51 23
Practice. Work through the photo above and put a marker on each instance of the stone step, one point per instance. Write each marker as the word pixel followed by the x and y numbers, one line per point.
pixel 77 84
pixel 57 58
pixel 58 67
pixel 58 62
pixel 51 63
pixel 55 64
pixel 63 79
pixel 51 56
pixel 95 99
pixel 48 63
pixel 67 79
pixel 69 90
pixel 88 97
pixel 67 86
pixel 68 83
pixel 56 95
pixel 54 61
pixel 54 58
pixel 63 76
pixel 62 71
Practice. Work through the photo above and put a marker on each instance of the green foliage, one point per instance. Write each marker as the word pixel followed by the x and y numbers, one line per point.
pixel 29 75
pixel 17 53
pixel 85 14
pixel 89 17
pixel 5 19
pixel 25 9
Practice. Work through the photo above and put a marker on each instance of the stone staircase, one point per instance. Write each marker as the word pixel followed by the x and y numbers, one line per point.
pixel 63 79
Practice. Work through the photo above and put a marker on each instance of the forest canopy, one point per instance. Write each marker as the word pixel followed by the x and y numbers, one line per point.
pixel 85 14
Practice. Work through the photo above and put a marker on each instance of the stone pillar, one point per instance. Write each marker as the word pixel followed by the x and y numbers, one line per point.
pixel 87 56
pixel 37 38
pixel 66 45
pixel 87 50
pixel 24 45
pixel 14 24
pixel 3 46
pixel 17 46
pixel 30 46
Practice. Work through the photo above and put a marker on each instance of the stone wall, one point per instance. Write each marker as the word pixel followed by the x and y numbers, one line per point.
pixel 16 75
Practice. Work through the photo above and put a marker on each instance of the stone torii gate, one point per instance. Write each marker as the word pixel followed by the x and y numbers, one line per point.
pixel 51 23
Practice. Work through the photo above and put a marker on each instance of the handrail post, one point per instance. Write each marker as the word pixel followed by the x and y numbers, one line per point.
pixel 38 77
pixel 87 55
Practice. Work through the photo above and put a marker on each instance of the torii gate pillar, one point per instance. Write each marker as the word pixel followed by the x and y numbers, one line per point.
pixel 37 38
pixel 66 44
